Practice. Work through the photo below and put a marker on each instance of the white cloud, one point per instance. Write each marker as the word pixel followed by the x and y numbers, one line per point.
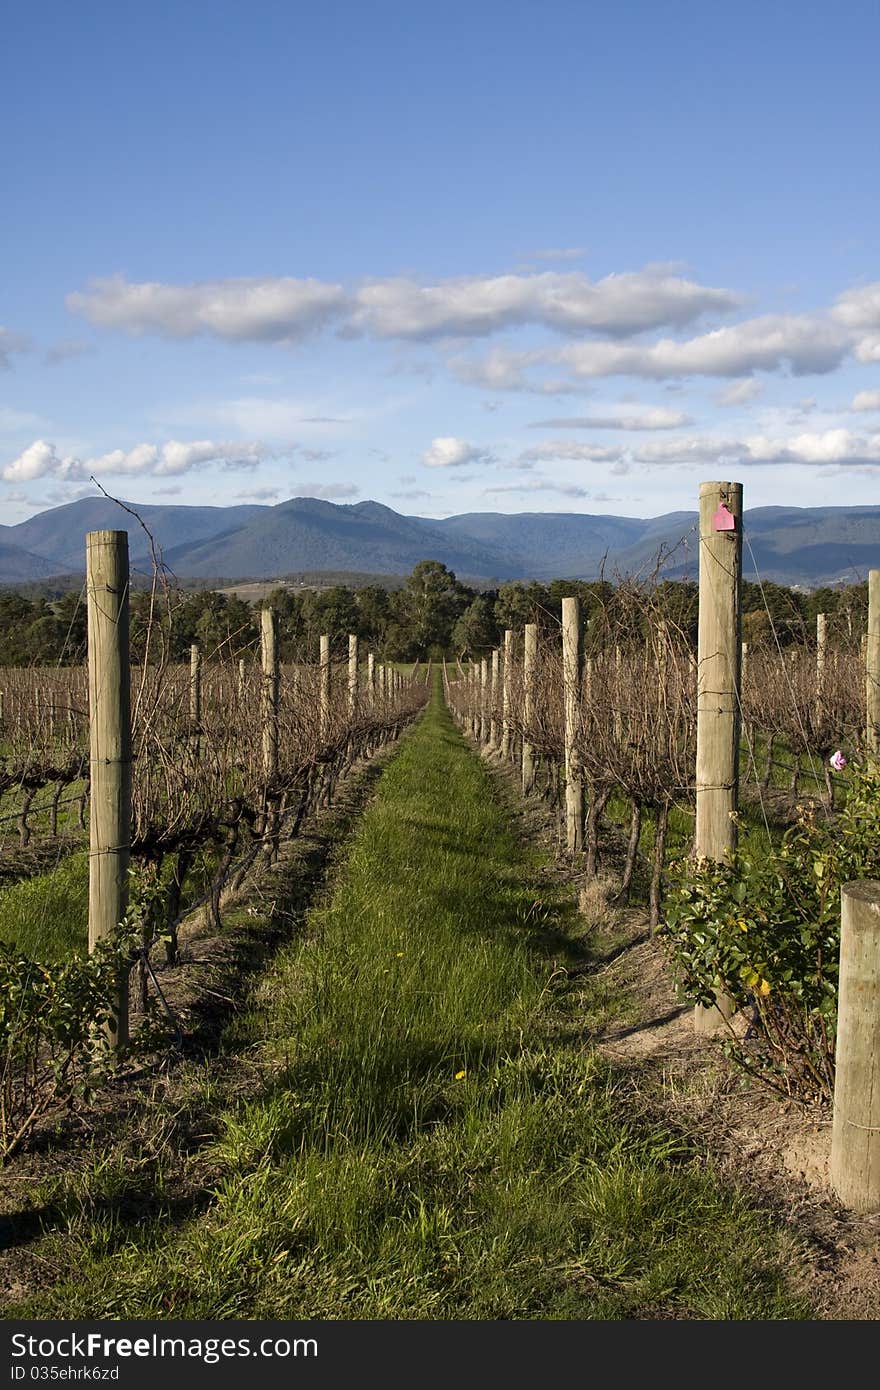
pixel 277 310
pixel 36 461
pixel 835 446
pixel 839 447
pixel 500 370
pixel 141 459
pixel 740 392
pixel 692 449
pixel 573 449
pixel 800 343
pixel 474 306
pixel 541 485
pixel 859 308
pixel 41 459
pixel 866 400
pixel 868 349
pixel 805 343
pixel 180 457
pixel 282 309
pixel 449 452
pixel 658 418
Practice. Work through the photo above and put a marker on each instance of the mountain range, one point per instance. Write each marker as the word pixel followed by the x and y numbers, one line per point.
pixel 803 546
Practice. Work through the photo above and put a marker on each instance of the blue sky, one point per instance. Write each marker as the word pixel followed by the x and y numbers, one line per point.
pixel 471 257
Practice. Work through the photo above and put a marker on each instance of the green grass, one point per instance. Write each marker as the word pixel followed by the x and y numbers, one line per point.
pixel 432 1136
pixel 47 916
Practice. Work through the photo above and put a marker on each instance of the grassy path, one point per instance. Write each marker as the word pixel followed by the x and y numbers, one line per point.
pixel 431 1137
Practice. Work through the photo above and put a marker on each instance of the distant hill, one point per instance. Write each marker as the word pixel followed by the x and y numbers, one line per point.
pixel 806 546
pixel 59 534
pixel 18 564
pixel 308 534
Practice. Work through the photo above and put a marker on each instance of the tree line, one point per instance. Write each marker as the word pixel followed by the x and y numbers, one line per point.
pixel 431 615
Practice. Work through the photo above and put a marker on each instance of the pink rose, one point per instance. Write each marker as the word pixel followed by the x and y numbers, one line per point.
pixel 837 761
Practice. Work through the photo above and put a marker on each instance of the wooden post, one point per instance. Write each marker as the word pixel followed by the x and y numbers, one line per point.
pixel 494 694
pixel 195 687
pixel 872 665
pixel 324 697
pixel 241 677
pixel 269 701
pixel 855 1134
pixel 821 649
pixel 506 678
pixel 352 672
pixel 371 678
pixel 484 698
pixel 110 747
pixel 718 690
pixel 572 670
pixel 530 664
pixel 271 677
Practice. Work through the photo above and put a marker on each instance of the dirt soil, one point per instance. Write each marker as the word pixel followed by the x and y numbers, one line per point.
pixel 776 1148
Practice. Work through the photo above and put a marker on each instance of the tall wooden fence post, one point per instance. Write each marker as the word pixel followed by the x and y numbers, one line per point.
pixel 821 659
pixel 494 696
pixel 195 687
pixel 371 678
pixel 324 696
pixel 855 1134
pixel 472 679
pixel 872 665
pixel 506 678
pixel 572 671
pixel 530 664
pixel 110 747
pixel 719 650
pixel 484 698
pixel 352 672
pixel 269 692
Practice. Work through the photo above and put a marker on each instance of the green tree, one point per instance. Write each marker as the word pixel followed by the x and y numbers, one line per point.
pixel 476 631
pixel 518 603
pixel 331 611
pixel 426 610
pixel 373 607
pixel 220 624
pixel 17 618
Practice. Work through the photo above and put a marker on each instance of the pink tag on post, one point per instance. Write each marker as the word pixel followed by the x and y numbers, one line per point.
pixel 723 520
